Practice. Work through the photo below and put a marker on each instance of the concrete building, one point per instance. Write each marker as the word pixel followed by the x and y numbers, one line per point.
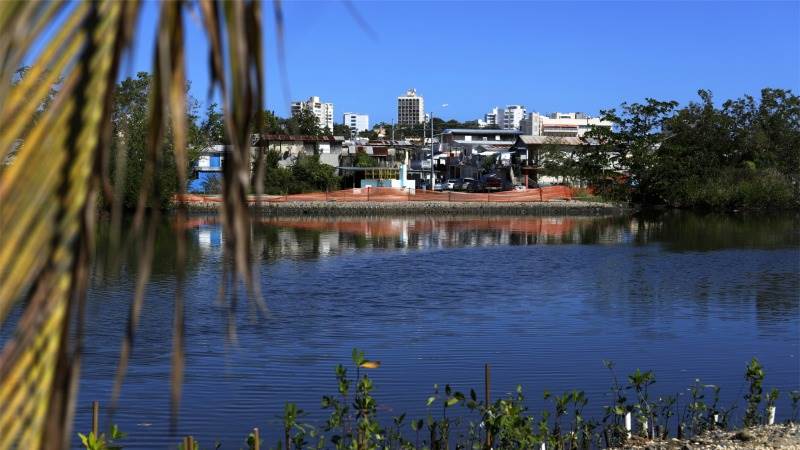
pixel 410 108
pixel 356 122
pixel 558 124
pixel 290 147
pixel 507 118
pixel 512 116
pixel 490 118
pixel 465 141
pixel 323 111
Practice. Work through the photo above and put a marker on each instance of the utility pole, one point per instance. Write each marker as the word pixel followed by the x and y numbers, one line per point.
pixel 433 174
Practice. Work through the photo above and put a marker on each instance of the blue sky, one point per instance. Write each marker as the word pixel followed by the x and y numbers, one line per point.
pixel 548 56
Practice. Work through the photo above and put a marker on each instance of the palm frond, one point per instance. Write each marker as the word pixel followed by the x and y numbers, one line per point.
pixel 49 193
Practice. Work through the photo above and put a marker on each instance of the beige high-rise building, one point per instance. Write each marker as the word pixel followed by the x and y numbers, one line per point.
pixel 410 108
pixel 323 111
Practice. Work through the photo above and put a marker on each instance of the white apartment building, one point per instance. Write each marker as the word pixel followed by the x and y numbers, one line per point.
pixel 490 118
pixel 323 111
pixel 356 122
pixel 559 124
pixel 507 118
pixel 512 116
pixel 410 108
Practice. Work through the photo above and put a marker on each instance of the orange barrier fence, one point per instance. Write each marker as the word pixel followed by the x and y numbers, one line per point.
pixel 383 194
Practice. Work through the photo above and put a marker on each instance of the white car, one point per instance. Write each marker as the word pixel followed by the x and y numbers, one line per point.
pixel 450 184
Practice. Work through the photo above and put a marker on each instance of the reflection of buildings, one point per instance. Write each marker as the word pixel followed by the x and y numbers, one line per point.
pixel 209 236
pixel 319 237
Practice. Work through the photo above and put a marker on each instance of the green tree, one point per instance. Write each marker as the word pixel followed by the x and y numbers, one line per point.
pixel 272 124
pixel 340 129
pixel 743 154
pixel 304 123
pixel 130 123
pixel 364 160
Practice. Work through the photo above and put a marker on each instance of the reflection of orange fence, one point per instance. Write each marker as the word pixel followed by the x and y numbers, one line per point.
pixel 382 227
pixel 399 195
pixel 548 226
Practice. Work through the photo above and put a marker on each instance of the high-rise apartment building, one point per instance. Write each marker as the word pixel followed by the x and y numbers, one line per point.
pixel 323 111
pixel 356 122
pixel 490 118
pixel 507 118
pixel 410 108
pixel 512 116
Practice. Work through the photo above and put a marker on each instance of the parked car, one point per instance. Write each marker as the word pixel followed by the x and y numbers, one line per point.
pixel 520 187
pixel 493 184
pixel 438 186
pixel 450 184
pixel 476 186
pixel 464 185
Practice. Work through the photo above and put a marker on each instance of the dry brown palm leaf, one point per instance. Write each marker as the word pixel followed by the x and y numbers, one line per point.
pixel 49 194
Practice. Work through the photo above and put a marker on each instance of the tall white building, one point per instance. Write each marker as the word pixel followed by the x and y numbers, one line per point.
pixel 490 118
pixel 558 124
pixel 512 116
pixel 323 111
pixel 410 108
pixel 507 118
pixel 356 122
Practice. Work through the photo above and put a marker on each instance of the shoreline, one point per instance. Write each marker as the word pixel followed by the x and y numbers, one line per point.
pixel 784 436
pixel 429 208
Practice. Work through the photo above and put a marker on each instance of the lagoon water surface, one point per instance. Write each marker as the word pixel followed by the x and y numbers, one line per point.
pixel 544 300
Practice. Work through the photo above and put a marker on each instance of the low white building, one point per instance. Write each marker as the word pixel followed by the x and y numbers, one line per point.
pixel 323 111
pixel 356 122
pixel 558 124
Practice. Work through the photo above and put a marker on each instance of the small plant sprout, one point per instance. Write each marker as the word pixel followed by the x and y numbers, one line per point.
pixel 102 442
pixel 754 375
pixel 769 413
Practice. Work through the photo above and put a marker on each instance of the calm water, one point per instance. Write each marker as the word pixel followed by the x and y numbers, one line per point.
pixel 543 300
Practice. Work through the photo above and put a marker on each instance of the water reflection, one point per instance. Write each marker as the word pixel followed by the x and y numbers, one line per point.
pixel 305 237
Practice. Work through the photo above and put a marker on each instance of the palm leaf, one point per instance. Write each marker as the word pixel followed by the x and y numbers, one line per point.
pixel 49 193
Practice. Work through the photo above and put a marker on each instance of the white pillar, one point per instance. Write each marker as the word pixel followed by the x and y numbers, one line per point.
pixel 628 423
pixel 771 413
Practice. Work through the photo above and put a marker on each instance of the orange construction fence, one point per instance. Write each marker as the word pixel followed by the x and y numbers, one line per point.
pixel 385 194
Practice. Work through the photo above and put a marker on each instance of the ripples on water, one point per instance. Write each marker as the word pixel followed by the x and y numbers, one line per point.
pixel 543 300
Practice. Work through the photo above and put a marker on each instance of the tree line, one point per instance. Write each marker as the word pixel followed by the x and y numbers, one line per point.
pixel 744 153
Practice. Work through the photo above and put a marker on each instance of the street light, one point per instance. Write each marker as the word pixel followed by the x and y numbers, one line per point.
pixel 433 174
